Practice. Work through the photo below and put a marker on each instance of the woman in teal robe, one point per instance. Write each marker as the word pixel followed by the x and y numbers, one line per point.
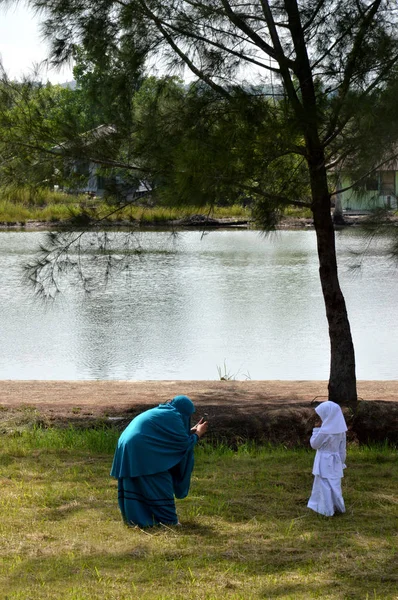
pixel 153 462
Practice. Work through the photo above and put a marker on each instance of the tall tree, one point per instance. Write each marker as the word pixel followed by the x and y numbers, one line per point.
pixel 47 130
pixel 333 58
pixel 34 119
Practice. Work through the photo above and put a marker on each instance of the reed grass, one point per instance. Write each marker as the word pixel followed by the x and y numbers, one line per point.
pixel 34 196
pixel 148 215
pixel 19 213
pixel 298 213
pixel 19 205
pixel 246 533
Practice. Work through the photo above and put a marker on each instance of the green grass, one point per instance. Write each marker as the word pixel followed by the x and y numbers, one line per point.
pixel 293 211
pixel 246 534
pixel 19 213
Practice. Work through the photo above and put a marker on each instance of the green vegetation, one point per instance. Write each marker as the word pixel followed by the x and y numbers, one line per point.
pixel 46 206
pixel 21 204
pixel 18 213
pixel 298 213
pixel 246 534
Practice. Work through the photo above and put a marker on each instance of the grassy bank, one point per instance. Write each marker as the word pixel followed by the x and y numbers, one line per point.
pixel 21 206
pixel 41 205
pixel 246 534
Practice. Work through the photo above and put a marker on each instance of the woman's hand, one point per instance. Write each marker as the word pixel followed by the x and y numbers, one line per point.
pixel 200 428
pixel 193 429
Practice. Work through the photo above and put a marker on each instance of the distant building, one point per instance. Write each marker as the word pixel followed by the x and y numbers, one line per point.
pixel 378 190
pixel 85 173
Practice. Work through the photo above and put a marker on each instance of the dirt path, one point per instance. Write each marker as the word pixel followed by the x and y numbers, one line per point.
pixel 278 411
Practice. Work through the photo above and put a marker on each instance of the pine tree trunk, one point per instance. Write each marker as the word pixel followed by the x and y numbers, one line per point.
pixel 342 380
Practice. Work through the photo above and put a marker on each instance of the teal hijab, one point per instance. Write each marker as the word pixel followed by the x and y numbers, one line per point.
pixel 185 407
pixel 159 440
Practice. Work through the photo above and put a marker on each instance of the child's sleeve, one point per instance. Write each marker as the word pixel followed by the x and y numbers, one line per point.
pixel 343 450
pixel 317 438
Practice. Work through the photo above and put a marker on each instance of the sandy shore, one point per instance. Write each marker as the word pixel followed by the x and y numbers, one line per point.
pixel 102 396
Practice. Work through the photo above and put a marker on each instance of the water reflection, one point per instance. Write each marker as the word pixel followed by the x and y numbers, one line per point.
pixel 188 304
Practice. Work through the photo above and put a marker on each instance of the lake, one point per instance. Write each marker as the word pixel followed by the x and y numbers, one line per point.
pixel 193 306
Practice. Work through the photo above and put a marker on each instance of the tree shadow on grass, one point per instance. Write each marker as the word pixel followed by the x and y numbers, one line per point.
pixel 191 527
pixel 165 573
pixel 164 560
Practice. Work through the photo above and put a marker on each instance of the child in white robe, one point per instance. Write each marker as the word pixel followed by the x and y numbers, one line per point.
pixel 329 441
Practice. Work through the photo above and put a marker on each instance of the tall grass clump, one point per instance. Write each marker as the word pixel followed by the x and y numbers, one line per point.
pixel 10 212
pixel 25 204
pixel 298 213
pixel 100 440
pixel 34 196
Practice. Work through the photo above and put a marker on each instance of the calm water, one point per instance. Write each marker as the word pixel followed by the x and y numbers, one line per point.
pixel 233 300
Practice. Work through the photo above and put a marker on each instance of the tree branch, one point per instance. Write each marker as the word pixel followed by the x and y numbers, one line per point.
pixel 218 45
pixel 330 134
pixel 314 15
pixel 277 198
pixel 198 72
pixel 243 26
pixel 285 63
pixel 351 63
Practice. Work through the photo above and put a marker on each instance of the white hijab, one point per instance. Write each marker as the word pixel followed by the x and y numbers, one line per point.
pixel 332 417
